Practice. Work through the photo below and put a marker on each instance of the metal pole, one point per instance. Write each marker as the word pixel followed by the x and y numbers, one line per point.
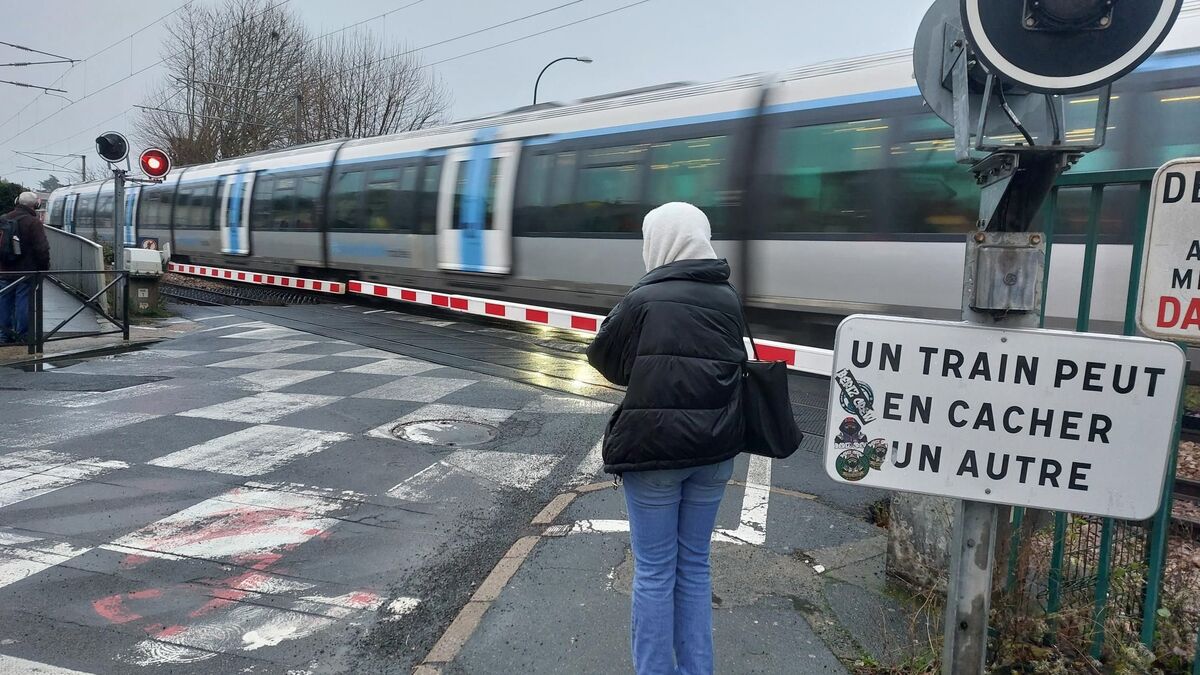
pixel 83 168
pixel 118 219
pixel 125 307
pixel 581 59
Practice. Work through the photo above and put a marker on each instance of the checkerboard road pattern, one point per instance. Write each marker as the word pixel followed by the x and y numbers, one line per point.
pixel 235 501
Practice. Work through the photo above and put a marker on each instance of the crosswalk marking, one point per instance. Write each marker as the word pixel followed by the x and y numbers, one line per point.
pixel 252 451
pixel 752 529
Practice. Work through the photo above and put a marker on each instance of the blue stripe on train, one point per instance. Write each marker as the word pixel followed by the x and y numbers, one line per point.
pixel 474 211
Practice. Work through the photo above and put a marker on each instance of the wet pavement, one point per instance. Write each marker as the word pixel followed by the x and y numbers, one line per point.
pixel 346 489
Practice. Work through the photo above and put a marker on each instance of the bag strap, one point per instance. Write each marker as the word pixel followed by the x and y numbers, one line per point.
pixel 746 324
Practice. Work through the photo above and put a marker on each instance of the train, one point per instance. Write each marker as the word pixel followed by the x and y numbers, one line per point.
pixel 832 190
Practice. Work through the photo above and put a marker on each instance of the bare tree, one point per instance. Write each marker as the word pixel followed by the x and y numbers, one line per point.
pixel 359 87
pixel 233 71
pixel 246 76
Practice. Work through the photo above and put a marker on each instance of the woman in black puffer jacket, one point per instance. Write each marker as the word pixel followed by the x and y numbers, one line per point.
pixel 675 341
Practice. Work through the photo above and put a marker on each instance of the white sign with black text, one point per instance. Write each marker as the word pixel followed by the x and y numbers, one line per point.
pixel 1074 422
pixel 1170 291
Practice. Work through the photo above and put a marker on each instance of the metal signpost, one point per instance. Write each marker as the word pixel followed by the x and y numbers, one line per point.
pixel 997 413
pixel 114 149
pixel 1169 306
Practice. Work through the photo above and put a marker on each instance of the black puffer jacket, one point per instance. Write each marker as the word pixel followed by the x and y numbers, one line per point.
pixel 676 341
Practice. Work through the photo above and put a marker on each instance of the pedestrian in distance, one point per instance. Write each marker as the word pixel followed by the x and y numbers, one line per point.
pixel 675 342
pixel 23 248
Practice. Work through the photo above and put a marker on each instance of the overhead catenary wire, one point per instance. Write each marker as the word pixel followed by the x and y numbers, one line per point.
pixel 37 51
pixel 32 86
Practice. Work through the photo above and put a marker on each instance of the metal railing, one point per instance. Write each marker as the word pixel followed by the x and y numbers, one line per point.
pixel 73 252
pixel 35 285
pixel 1105 570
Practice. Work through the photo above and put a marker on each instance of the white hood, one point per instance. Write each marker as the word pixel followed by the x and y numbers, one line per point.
pixel 676 231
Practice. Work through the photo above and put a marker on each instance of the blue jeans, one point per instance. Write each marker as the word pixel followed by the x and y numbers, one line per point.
pixel 14 312
pixel 671 519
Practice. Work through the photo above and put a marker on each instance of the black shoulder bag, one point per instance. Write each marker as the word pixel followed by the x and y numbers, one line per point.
pixel 771 429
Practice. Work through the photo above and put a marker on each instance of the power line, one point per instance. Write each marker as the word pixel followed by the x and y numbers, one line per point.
pixel 541 32
pixel 131 75
pixel 36 159
pixel 94 55
pixel 18 64
pixel 211 117
pixel 37 51
pixel 32 86
pixel 374 18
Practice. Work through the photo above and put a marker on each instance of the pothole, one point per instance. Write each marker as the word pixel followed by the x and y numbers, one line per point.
pixel 451 433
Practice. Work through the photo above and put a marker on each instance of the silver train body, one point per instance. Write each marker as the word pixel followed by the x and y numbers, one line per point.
pixel 832 190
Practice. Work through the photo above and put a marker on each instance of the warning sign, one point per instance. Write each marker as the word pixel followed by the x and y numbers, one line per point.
pixel 1169 306
pixel 1076 422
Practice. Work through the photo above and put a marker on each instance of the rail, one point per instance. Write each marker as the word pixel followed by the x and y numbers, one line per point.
pixel 31 286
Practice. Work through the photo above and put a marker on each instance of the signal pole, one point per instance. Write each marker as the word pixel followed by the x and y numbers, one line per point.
pixel 118 219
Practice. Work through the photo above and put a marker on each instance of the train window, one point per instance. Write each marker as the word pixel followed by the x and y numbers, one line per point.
pixel 826 176
pixel 692 171
pixel 608 190
pixel 345 200
pixel 104 213
pixel 262 203
pixel 308 195
pixel 544 202
pixel 430 184
pixel 1080 128
pixel 406 202
pixel 195 206
pixel 381 196
pixel 1118 213
pixel 85 212
pixel 56 210
pixel 929 191
pixel 488 198
pixel 1172 132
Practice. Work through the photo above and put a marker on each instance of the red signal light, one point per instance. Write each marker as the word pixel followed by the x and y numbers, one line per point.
pixel 155 163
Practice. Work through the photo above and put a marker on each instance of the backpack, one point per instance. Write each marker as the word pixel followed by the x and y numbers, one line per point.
pixel 10 242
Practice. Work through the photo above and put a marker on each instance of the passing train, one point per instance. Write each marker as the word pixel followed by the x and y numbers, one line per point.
pixel 832 190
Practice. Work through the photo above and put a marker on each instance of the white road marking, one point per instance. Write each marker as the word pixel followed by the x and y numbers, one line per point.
pixel 373 311
pixel 261 361
pixel 250 520
pixel 592 464
pixel 33 473
pixel 86 399
pixel 11 665
pixel 26 559
pixel 253 451
pixel 265 407
pixel 391 365
pixel 512 470
pixel 370 353
pixel 416 388
pixel 68 424
pixel 218 316
pixel 401 606
pixel 244 324
pixel 264 346
pixel 269 333
pixel 595 526
pixel 567 404
pixel 753 526
pixel 268 380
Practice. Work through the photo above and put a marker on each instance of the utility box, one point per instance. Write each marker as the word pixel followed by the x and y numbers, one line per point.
pixel 145 270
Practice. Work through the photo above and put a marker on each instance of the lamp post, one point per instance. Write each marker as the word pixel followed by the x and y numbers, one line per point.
pixel 581 59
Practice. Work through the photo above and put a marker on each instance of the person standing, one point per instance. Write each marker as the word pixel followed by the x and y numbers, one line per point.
pixel 35 256
pixel 675 342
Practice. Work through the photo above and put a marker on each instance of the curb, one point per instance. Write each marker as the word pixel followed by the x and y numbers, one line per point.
pixel 460 630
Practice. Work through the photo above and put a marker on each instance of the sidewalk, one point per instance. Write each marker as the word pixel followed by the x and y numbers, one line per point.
pixel 147 332
pixel 800 592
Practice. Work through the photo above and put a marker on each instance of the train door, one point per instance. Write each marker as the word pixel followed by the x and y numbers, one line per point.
pixel 235 213
pixel 474 225
pixel 129 227
pixel 69 213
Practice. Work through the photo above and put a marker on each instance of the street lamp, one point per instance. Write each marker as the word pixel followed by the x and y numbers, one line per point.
pixel 581 59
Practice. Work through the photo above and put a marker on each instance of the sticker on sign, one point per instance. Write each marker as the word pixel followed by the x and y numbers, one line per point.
pixel 1073 422
pixel 1169 303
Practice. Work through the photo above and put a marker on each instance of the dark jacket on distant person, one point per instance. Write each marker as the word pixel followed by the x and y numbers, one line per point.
pixel 676 342
pixel 35 249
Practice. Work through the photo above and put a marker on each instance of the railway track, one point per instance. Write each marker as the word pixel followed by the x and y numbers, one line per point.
pixel 237 295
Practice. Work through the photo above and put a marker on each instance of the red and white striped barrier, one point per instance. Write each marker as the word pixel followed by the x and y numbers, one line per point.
pixel 797 357
pixel 333 287
pixel 497 309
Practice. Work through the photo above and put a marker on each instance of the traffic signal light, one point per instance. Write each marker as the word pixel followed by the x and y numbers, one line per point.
pixel 155 163
pixel 112 147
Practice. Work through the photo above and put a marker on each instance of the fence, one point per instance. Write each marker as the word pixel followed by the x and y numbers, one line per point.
pixel 30 287
pixel 1108 570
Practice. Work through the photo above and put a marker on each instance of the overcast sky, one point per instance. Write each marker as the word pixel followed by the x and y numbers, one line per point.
pixel 653 42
